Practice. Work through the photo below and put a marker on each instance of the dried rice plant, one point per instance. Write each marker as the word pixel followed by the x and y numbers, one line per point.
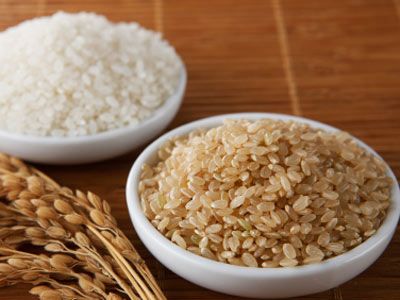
pixel 65 242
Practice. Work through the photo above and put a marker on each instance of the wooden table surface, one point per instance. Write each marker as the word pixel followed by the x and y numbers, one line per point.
pixel 334 61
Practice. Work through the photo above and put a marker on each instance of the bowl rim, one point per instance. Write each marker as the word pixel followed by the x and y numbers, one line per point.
pixel 175 99
pixel 386 229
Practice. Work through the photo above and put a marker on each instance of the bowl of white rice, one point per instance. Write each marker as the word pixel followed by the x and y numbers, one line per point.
pixel 263 205
pixel 77 88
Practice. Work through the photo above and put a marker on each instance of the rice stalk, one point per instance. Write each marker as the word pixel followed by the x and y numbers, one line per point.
pixel 82 249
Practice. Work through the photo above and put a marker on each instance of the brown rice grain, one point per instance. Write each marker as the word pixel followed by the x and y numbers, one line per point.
pixel 261 193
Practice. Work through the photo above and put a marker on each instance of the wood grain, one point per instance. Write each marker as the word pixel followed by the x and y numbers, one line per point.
pixel 334 61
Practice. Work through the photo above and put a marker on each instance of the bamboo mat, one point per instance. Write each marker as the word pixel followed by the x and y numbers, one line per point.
pixel 334 61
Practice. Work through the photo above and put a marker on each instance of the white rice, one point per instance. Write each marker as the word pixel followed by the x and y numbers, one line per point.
pixel 79 74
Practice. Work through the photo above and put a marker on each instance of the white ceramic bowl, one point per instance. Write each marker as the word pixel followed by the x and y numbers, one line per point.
pixel 255 282
pixel 91 148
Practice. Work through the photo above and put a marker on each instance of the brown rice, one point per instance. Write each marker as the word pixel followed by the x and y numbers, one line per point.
pixel 265 193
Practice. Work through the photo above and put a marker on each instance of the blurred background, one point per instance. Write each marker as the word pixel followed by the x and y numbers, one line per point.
pixel 334 61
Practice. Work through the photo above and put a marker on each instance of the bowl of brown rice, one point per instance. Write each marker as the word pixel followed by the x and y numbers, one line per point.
pixel 263 205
